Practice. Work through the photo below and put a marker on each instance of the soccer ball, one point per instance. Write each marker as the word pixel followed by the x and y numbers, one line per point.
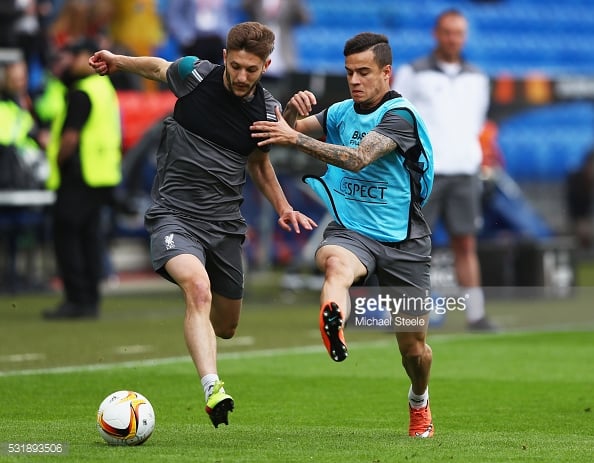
pixel 125 418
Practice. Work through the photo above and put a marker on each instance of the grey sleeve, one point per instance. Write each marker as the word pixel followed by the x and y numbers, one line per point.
pixel 186 73
pixel 399 128
pixel 271 103
pixel 321 117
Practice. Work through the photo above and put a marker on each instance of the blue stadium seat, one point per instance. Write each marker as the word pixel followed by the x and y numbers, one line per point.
pixel 548 142
pixel 516 37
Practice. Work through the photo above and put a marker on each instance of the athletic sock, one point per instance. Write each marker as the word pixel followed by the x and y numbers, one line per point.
pixel 418 401
pixel 208 382
pixel 475 303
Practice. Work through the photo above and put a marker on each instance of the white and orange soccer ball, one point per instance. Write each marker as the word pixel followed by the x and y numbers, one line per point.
pixel 125 418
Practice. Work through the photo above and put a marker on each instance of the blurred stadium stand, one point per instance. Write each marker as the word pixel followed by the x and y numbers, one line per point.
pixel 539 55
pixel 514 36
pixel 546 143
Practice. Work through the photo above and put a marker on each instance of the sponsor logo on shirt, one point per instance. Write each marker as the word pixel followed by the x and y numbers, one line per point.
pixel 363 191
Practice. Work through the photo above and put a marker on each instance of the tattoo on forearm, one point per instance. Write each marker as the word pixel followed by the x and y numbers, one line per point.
pixel 336 155
pixel 372 147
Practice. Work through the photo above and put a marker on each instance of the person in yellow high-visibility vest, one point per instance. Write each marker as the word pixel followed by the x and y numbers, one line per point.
pixel 85 166
pixel 23 162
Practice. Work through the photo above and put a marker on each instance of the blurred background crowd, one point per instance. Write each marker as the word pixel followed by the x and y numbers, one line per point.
pixel 538 159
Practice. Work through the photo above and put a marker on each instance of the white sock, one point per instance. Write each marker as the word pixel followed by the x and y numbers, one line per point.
pixel 418 401
pixel 475 303
pixel 208 382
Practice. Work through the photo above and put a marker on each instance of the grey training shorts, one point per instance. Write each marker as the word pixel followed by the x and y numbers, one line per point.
pixel 456 199
pixel 406 263
pixel 220 252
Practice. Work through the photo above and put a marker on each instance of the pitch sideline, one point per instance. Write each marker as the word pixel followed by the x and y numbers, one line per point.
pixel 222 357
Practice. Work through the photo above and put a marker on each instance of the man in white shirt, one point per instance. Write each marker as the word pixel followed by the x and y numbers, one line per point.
pixel 452 95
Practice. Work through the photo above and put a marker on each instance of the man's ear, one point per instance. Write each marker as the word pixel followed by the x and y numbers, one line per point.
pixel 266 65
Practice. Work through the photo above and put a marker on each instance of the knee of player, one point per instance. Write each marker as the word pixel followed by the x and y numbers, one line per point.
pixel 225 332
pixel 335 267
pixel 198 291
pixel 415 349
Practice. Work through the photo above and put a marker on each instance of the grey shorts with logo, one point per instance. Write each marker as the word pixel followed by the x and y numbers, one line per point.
pixel 406 263
pixel 455 199
pixel 220 252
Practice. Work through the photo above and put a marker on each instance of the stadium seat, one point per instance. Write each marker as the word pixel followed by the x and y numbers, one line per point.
pixel 517 37
pixel 547 142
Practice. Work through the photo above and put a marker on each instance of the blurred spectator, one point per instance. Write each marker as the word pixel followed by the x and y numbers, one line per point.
pixel 200 27
pixel 109 23
pixel 68 21
pixel 282 16
pixel 453 97
pixel 15 84
pixel 50 101
pixel 19 25
pixel 23 27
pixel 10 12
pixel 71 23
pixel 579 192
pixel 134 25
pixel 85 158
pixel 22 164
pixel 45 13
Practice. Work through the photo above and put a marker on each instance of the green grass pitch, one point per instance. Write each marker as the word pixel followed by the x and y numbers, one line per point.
pixel 520 396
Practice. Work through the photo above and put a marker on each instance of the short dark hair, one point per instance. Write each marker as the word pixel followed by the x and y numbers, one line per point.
pixel 252 37
pixel 364 41
pixel 446 13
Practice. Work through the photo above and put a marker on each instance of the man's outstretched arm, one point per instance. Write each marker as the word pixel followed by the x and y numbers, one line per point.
pixel 105 62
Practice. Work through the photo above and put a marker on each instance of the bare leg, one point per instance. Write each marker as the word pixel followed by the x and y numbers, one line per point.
pixel 341 268
pixel 416 359
pixel 224 315
pixel 468 274
pixel 201 326
pixel 468 270
pixel 191 276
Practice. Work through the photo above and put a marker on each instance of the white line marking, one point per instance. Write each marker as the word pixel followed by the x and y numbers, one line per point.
pixel 165 361
pixel 13 358
pixel 435 338
pixel 133 349
pixel 237 341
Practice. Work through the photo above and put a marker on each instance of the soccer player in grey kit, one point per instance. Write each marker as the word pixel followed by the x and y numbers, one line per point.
pixel 195 223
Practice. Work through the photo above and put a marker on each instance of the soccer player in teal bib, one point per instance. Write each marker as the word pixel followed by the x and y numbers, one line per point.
pixel 379 175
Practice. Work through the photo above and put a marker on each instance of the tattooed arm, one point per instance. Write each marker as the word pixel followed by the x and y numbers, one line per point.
pixel 372 147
